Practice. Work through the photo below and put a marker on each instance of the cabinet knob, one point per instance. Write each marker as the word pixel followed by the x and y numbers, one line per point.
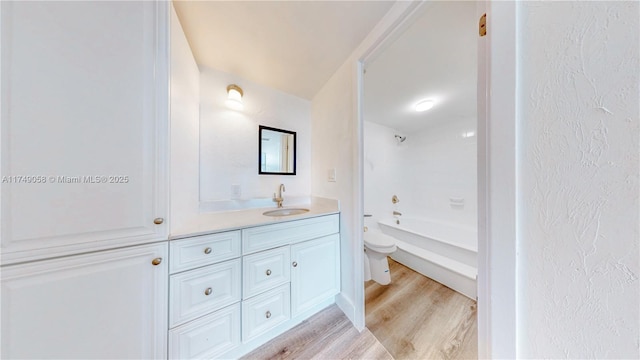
pixel 268 314
pixel 208 291
pixel 268 272
pixel 158 221
pixel 156 261
pixel 295 264
pixel 207 250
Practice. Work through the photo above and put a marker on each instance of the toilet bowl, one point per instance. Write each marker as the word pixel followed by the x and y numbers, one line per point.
pixel 377 246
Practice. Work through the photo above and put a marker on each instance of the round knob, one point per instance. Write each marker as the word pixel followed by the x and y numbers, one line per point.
pixel 295 264
pixel 156 261
pixel 207 250
pixel 158 221
pixel 268 272
pixel 268 314
pixel 208 291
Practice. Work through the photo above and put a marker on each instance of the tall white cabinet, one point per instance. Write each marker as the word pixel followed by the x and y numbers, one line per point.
pixel 84 126
pixel 83 139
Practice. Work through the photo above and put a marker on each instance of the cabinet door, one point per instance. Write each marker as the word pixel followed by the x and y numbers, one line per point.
pixel 315 272
pixel 109 304
pixel 84 120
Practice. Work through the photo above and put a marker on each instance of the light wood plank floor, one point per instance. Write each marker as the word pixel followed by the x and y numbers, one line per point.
pixel 326 335
pixel 418 318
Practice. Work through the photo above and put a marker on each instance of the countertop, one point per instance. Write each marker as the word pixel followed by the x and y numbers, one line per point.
pixel 207 223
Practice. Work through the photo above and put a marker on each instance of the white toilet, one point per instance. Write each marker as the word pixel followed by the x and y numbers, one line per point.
pixel 377 246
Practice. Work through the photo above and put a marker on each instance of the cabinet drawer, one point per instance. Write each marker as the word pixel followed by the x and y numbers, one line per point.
pixel 208 337
pixel 265 270
pixel 204 250
pixel 265 311
pixel 198 292
pixel 291 232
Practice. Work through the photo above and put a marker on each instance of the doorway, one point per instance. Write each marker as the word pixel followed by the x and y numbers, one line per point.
pixel 420 168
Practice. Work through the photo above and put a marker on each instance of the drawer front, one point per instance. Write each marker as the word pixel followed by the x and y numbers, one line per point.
pixel 198 292
pixel 208 337
pixel 265 270
pixel 204 250
pixel 291 232
pixel 265 311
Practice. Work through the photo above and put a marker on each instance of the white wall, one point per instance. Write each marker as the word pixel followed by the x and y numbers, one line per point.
pixel 579 100
pixel 336 144
pixel 332 131
pixel 185 146
pixel 382 177
pixel 229 143
pixel 427 170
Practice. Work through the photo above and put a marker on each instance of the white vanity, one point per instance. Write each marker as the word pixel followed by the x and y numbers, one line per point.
pixel 231 291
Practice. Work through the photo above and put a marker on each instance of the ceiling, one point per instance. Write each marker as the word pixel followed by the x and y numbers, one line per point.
pixel 435 58
pixel 292 46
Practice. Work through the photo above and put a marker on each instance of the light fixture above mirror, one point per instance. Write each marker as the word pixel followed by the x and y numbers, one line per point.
pixel 234 97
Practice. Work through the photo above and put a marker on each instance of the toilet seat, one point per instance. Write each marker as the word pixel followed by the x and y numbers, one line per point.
pixel 379 242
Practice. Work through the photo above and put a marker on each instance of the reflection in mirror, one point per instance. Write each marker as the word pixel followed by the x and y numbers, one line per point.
pixel 276 151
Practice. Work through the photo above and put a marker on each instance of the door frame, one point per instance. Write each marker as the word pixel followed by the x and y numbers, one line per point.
pixel 497 170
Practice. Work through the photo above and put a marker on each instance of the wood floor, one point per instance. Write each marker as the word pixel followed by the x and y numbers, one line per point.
pixel 418 318
pixel 326 335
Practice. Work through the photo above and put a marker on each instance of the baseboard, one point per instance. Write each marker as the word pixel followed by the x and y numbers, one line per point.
pixel 346 305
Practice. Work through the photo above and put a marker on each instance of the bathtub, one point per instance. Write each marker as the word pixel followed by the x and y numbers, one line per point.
pixel 446 253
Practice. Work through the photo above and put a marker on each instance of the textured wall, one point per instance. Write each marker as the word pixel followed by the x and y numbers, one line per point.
pixel 579 100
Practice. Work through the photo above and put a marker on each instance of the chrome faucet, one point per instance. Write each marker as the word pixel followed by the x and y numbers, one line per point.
pixel 397 213
pixel 279 199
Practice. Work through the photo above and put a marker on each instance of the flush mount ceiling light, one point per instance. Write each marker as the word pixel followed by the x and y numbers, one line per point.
pixel 424 105
pixel 234 97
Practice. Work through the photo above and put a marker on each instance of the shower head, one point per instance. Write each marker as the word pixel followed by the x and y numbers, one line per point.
pixel 400 139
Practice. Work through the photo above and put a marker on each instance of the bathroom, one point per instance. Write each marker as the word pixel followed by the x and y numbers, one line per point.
pixel 420 188
pixel 115 135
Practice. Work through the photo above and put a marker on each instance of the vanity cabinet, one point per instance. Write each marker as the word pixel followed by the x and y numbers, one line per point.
pixel 315 273
pixel 289 271
pixel 204 295
pixel 108 304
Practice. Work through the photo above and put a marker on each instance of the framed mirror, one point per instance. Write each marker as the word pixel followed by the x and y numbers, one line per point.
pixel 276 151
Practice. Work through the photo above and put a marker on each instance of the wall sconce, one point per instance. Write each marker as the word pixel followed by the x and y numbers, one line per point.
pixel 234 97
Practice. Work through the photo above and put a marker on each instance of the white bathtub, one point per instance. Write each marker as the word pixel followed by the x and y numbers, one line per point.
pixel 446 253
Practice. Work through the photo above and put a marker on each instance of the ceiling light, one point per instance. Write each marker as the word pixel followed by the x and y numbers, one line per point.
pixel 234 97
pixel 424 105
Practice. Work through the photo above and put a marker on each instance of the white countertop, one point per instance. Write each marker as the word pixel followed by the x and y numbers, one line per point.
pixel 207 223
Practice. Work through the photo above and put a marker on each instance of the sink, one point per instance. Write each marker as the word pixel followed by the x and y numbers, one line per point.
pixel 285 212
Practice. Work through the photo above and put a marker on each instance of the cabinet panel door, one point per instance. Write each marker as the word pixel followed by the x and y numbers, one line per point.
pixel 110 304
pixel 263 312
pixel 207 337
pixel 84 121
pixel 201 291
pixel 265 270
pixel 315 272
pixel 290 232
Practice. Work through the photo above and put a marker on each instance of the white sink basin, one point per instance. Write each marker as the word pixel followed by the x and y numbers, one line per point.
pixel 285 212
